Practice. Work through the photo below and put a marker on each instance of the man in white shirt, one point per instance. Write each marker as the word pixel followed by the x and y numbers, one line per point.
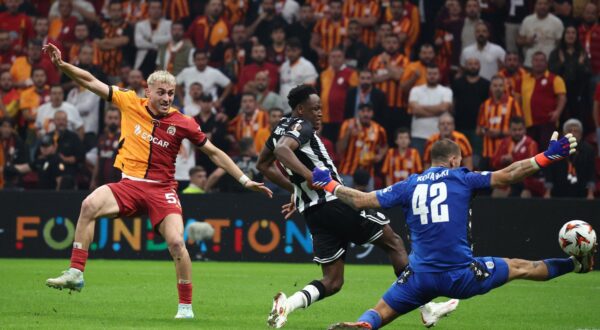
pixel 45 113
pixel 151 33
pixel 426 103
pixel 490 55
pixel 296 70
pixel 540 31
pixel 88 105
pixel 209 77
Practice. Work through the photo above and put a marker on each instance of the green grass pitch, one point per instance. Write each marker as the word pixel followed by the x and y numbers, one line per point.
pixel 142 294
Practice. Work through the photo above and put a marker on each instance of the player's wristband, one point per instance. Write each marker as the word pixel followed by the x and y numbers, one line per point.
pixel 243 180
pixel 330 187
pixel 541 160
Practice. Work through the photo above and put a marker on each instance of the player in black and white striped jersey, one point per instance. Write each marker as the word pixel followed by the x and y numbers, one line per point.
pixel 333 224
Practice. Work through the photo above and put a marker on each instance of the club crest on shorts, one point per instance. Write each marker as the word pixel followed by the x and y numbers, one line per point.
pixel 171 130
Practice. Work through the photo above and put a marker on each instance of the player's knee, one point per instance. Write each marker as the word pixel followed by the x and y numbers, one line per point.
pixel 334 286
pixel 90 207
pixel 176 247
pixel 519 268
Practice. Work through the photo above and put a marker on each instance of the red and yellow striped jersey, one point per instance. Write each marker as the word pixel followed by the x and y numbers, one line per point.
pixel 363 9
pixel 412 30
pixel 241 127
pixel 390 87
pixel 457 137
pixel 398 166
pixel 149 144
pixel 176 10
pixel 320 8
pixel 512 81
pixel 363 147
pixel 331 32
pixel 496 116
pixel 235 11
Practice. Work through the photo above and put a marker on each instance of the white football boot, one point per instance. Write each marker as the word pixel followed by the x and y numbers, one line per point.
pixel 583 264
pixel 433 312
pixel 71 279
pixel 278 316
pixel 184 311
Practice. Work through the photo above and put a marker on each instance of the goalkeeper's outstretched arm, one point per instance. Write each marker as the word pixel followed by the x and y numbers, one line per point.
pixel 81 77
pixel 517 171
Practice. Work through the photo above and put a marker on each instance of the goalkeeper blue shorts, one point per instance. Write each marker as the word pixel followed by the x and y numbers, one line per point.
pixel 414 289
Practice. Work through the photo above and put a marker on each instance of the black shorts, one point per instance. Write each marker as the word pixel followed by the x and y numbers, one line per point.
pixel 333 225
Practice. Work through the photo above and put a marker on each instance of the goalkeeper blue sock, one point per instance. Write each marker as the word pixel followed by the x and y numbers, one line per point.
pixel 558 267
pixel 371 317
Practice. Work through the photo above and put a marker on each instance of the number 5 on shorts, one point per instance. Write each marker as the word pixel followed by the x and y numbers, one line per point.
pixel 172 198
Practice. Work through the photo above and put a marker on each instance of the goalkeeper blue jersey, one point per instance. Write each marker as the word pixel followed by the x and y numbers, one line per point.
pixel 436 206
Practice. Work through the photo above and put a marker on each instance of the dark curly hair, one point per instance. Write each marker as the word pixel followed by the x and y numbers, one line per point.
pixel 300 94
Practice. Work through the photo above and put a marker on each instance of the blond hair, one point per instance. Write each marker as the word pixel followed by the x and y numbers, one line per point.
pixel 161 77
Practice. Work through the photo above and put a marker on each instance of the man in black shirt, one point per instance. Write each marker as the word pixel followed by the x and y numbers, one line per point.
pixel 107 149
pixel 48 165
pixel 357 53
pixel 469 92
pixel 69 147
pixel 264 23
pixel 214 128
pixel 16 155
pixel 302 29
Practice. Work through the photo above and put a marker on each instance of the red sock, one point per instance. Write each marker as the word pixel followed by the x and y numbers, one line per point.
pixel 78 258
pixel 185 293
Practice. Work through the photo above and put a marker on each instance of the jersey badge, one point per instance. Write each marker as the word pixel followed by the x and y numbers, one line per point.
pixel 171 130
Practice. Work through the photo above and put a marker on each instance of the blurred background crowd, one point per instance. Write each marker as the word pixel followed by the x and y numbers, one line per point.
pixel 394 76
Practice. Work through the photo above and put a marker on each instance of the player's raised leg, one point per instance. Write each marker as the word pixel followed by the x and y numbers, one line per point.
pixel 171 228
pixel 547 269
pixel 101 202
pixel 330 284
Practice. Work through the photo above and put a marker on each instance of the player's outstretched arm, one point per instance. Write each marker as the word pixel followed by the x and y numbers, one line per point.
pixel 80 76
pixel 221 159
pixel 266 166
pixel 517 171
pixel 357 199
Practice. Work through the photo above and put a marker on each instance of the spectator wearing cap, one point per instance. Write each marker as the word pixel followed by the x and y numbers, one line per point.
pixel 543 99
pixel 212 125
pixel 149 35
pixel 48 165
pixel 362 143
pixel 490 55
pixel 15 154
pixel 539 32
pixel 296 70
pixel 575 177
pixel 334 83
pixel 178 53
pixel 207 30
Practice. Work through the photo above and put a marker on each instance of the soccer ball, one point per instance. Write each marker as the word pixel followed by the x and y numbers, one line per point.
pixel 577 238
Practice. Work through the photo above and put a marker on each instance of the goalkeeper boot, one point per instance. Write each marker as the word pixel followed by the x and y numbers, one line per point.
pixel 278 316
pixel 184 311
pixel 71 279
pixel 584 263
pixel 433 312
pixel 350 325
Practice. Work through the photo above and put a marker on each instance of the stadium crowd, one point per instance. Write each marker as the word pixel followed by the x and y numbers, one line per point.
pixel 496 76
